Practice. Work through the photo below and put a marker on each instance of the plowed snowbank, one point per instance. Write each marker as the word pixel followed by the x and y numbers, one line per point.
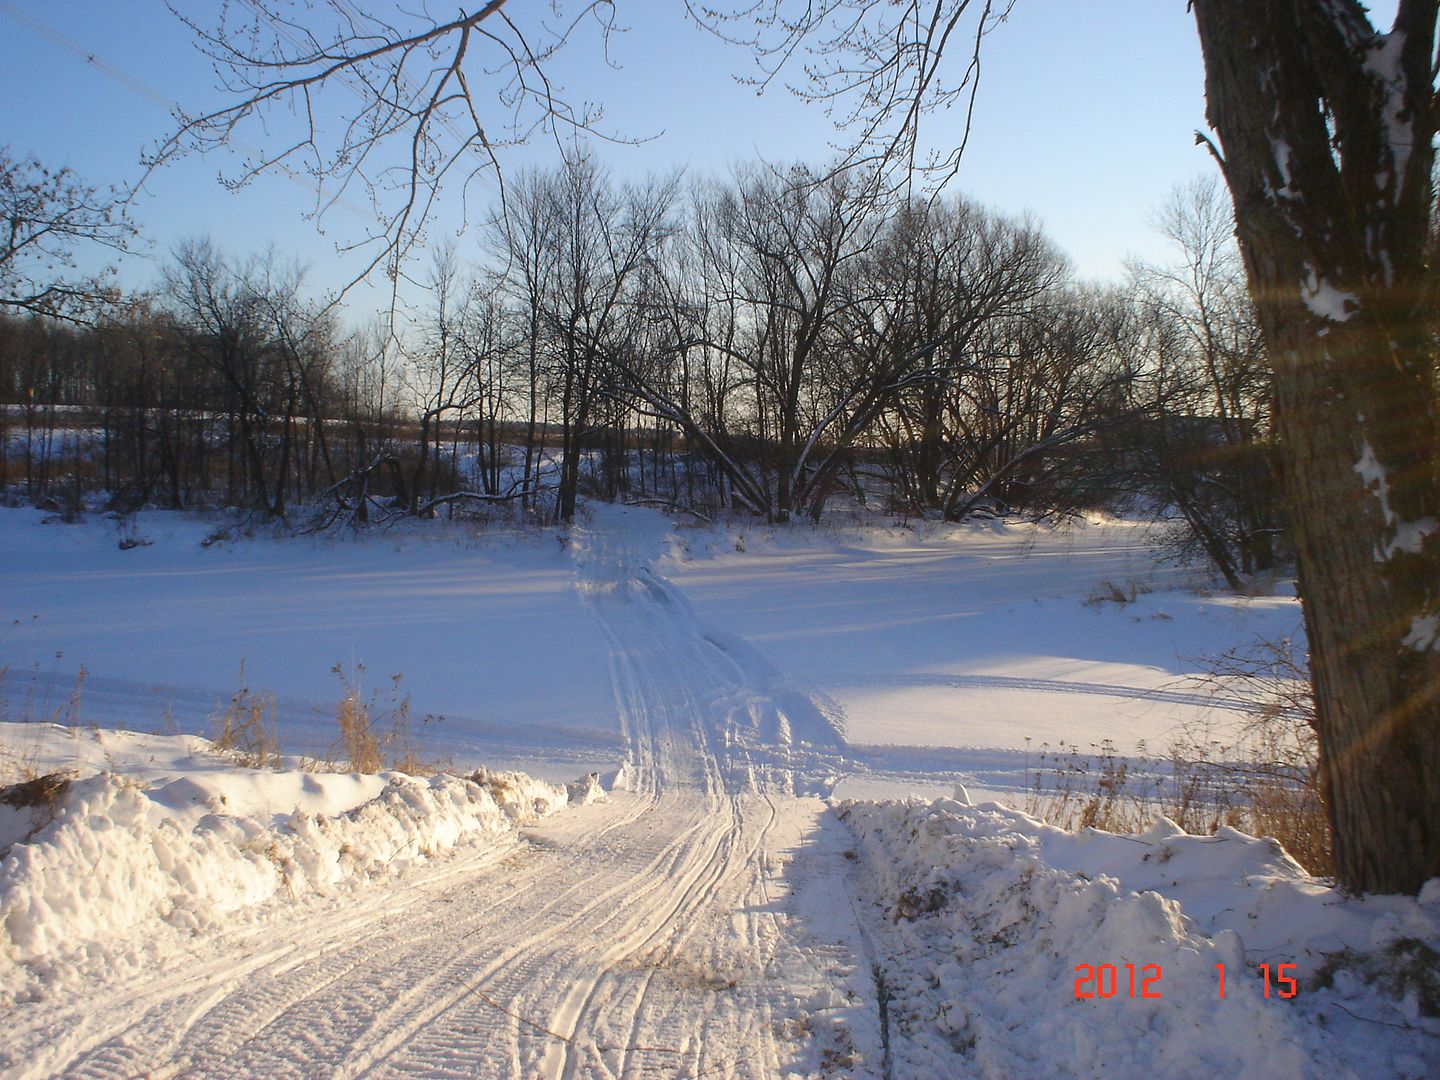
pixel 110 855
pixel 994 928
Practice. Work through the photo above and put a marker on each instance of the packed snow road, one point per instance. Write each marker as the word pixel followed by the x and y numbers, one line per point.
pixel 177 913
pixel 650 935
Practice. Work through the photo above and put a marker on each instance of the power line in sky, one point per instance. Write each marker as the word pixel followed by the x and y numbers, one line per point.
pixel 55 37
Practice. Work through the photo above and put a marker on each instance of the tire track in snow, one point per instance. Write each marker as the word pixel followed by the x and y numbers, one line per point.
pixel 699 693
pixel 75 1034
pixel 1057 686
pixel 643 936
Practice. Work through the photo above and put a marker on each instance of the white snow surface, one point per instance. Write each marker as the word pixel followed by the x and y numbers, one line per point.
pixel 1280 151
pixel 1409 535
pixel 957 653
pixel 728 909
pixel 1424 633
pixel 1383 64
pixel 470 621
pixel 194 842
pixel 185 777
pixel 986 913
pixel 1326 300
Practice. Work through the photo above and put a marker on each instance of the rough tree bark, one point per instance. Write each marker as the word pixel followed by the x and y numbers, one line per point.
pixel 1326 131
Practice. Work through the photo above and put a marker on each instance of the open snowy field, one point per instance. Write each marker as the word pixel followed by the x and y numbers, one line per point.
pixel 487 634
pixel 727 909
pixel 936 650
pixel 971 647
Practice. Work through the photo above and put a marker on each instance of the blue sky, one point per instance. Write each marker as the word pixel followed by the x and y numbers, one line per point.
pixel 1086 119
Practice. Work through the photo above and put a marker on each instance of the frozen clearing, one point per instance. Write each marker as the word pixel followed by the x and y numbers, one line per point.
pixel 471 624
pixel 970 648
pixel 721 913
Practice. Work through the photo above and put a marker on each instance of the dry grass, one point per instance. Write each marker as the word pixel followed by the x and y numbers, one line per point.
pixel 1108 592
pixel 71 708
pixel 358 742
pixel 39 710
pixel 1263 779
pixel 41 795
pixel 1277 755
pixel 37 704
pixel 1407 970
pixel 374 729
pixel 248 728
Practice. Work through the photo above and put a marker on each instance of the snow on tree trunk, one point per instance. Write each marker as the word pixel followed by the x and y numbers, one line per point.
pixel 1325 129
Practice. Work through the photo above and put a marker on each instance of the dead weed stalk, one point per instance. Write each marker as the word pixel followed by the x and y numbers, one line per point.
pixel 374 728
pixel 1262 778
pixel 248 728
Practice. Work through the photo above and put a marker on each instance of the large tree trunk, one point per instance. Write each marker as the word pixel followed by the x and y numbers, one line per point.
pixel 1326 134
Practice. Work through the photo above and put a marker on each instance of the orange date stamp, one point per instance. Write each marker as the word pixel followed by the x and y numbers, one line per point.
pixel 1143 981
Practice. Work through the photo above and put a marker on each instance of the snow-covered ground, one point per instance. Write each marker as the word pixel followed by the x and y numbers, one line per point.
pixel 965 650
pixel 172 832
pixel 728 909
pixel 1023 950
pixel 493 647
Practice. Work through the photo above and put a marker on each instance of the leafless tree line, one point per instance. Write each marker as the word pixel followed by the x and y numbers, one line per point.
pixel 763 344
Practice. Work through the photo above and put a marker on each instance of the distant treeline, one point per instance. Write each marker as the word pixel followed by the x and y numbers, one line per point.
pixel 764 344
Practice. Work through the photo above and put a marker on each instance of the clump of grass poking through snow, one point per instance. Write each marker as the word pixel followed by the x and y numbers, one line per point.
pixel 41 795
pixel 1263 779
pixel 248 728
pixel 358 741
pixel 374 729
pixel 43 791
pixel 1107 592
pixel 1408 969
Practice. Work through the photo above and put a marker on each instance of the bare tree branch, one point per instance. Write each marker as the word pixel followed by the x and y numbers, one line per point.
pixel 385 105
pixel 877 67
pixel 45 218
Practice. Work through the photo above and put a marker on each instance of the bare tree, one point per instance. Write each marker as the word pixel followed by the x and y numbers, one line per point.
pixel 489 337
pixel 606 238
pixel 574 251
pixel 46 217
pixel 1326 130
pixel 1039 386
pixel 970 281
pixel 445 384
pixel 244 323
pixel 777 280
pixel 876 66
pixel 1207 448
pixel 521 242
pixel 389 107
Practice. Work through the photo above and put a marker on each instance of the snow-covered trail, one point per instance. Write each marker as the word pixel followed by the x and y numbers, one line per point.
pixel 702 709
pixel 646 935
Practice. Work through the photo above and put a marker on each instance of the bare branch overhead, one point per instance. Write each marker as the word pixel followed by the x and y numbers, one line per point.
pixel 878 67
pixel 392 104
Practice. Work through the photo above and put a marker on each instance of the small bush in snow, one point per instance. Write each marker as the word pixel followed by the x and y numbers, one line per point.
pixel 248 728
pixel 1264 779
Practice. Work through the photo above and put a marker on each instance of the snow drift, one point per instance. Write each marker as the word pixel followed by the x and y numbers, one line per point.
pixel 987 916
pixel 112 858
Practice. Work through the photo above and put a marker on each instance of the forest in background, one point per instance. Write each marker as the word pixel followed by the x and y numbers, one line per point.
pixel 764 344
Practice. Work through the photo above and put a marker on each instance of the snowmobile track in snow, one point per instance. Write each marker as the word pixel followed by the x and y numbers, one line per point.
pixel 645 935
